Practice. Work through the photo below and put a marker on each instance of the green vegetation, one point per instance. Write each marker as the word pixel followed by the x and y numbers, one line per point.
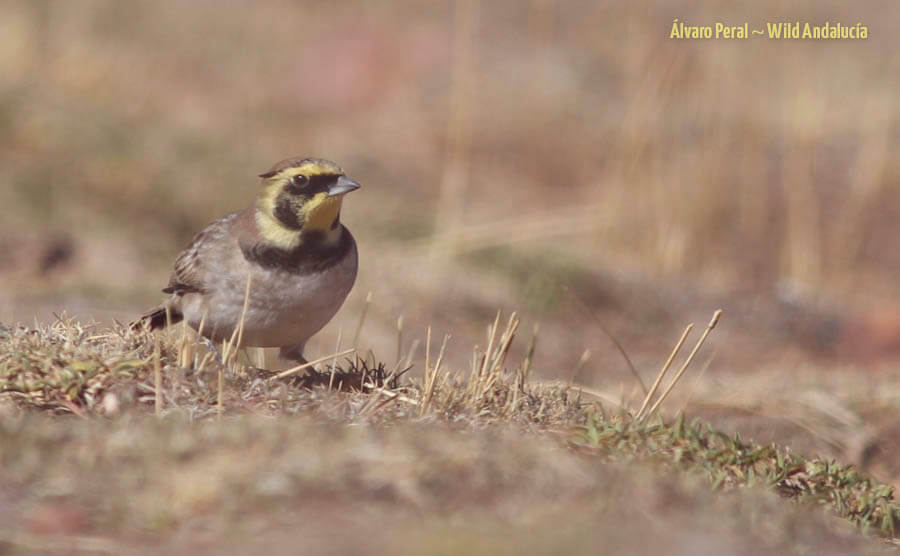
pixel 729 462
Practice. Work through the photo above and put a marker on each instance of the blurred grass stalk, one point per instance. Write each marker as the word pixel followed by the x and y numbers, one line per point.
pixel 457 157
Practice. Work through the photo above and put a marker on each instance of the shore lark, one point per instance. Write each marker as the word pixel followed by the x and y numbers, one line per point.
pixel 301 261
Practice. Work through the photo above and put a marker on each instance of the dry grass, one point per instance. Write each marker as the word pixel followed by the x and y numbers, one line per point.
pixel 489 441
pixel 67 367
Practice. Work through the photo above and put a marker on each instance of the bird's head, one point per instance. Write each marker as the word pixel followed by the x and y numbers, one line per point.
pixel 300 199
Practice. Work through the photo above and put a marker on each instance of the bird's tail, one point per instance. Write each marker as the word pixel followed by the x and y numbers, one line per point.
pixel 158 318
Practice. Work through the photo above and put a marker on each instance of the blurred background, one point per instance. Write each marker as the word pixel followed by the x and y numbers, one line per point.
pixel 566 160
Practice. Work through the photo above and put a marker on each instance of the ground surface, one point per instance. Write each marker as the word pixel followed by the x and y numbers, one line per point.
pixel 120 442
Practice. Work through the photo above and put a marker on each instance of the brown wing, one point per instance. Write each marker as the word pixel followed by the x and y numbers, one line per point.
pixel 187 276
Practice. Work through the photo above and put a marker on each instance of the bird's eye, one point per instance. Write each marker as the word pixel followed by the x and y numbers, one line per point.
pixel 297 184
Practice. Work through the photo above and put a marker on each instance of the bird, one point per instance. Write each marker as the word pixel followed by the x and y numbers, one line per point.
pixel 290 246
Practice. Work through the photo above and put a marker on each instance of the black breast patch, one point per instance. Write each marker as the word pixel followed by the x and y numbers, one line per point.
pixel 312 255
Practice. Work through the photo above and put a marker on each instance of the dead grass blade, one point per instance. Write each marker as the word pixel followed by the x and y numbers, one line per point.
pixel 362 319
pixel 298 368
pixel 157 379
pixel 399 341
pixel 662 372
pixel 615 341
pixel 709 327
pixel 337 348
pixel 582 361
pixel 237 336
pixel 431 374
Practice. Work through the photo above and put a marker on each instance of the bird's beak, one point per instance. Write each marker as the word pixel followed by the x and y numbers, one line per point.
pixel 341 186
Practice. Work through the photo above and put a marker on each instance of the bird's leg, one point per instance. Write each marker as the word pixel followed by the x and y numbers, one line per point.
pixel 212 347
pixel 293 353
